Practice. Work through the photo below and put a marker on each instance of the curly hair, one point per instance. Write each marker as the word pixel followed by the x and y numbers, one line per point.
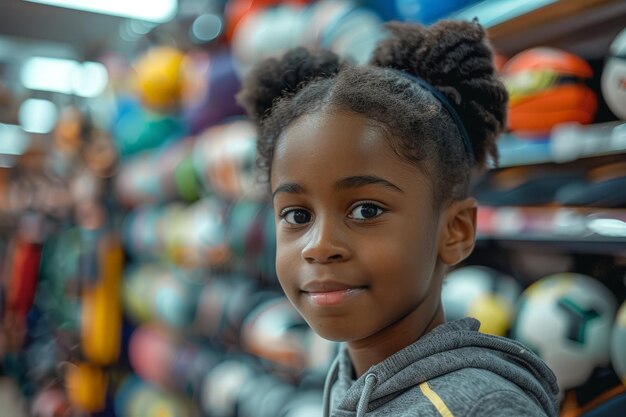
pixel 453 56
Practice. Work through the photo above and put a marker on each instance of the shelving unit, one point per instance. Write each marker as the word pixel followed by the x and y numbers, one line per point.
pixel 567 143
pixel 556 229
pixel 583 26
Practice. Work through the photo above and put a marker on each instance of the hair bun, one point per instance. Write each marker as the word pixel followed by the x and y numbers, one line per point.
pixel 274 78
pixel 455 57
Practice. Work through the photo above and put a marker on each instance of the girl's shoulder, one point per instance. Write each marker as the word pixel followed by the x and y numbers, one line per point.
pixel 473 392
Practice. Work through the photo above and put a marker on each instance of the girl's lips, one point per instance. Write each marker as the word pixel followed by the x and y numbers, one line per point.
pixel 331 298
pixel 321 285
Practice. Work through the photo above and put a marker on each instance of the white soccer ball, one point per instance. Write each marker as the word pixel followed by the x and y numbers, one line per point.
pixel 613 82
pixel 618 344
pixel 567 320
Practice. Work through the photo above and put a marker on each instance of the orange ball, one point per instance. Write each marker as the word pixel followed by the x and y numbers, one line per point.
pixel 499 61
pixel 547 87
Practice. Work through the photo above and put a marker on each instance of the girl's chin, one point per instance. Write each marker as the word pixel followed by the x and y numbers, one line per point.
pixel 335 334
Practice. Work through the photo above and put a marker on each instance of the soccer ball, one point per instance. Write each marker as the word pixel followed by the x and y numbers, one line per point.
pixel 618 344
pixel 224 160
pixel 567 320
pixel 222 386
pixel 483 293
pixel 614 76
pixel 275 332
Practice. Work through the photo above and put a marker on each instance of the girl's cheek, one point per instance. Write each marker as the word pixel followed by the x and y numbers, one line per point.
pixel 284 263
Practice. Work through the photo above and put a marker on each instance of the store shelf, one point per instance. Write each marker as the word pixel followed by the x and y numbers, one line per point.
pixel 547 12
pixel 498 13
pixel 583 25
pixel 568 142
pixel 547 244
pixel 558 228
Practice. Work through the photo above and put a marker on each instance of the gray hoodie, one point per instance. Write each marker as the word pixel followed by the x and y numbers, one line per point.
pixel 452 371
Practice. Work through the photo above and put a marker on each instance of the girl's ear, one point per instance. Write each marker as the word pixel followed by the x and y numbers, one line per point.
pixel 458 233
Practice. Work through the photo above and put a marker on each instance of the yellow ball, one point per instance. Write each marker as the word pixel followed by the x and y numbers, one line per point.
pixel 483 293
pixel 494 312
pixel 160 78
pixel 86 387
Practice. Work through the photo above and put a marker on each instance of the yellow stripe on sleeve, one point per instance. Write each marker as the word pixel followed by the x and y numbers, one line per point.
pixel 435 400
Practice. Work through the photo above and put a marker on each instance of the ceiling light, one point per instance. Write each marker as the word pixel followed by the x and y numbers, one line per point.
pixel 13 140
pixel 206 27
pixel 38 116
pixel 87 79
pixel 91 81
pixel 153 11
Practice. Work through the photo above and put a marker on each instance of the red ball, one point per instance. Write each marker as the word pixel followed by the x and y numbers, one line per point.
pixel 151 354
pixel 237 10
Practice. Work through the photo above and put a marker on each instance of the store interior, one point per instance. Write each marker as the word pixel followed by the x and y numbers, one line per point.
pixel 137 245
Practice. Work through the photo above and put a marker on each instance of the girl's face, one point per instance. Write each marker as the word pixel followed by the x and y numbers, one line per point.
pixel 357 231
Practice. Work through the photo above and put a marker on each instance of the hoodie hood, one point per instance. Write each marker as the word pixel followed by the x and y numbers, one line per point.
pixel 448 348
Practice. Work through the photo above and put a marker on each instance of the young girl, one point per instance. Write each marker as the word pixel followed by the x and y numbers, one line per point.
pixel 369 169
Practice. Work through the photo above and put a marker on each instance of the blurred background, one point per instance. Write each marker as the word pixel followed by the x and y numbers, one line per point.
pixel 137 251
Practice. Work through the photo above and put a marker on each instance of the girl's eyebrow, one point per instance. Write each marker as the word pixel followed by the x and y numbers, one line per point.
pixel 363 180
pixel 290 188
pixel 354 181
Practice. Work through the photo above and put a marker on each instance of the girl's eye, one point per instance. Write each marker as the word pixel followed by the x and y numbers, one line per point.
pixel 366 211
pixel 296 216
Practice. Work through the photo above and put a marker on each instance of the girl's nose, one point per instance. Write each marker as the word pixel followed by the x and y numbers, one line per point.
pixel 325 244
